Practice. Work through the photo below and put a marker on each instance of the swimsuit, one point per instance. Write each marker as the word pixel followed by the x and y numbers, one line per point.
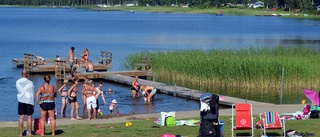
pixel 154 91
pixel 47 104
pixel 89 70
pixel 91 101
pixel 65 89
pixel 73 98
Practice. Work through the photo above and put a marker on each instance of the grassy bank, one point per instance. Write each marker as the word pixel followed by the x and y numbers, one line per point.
pixel 146 128
pixel 254 73
pixel 214 10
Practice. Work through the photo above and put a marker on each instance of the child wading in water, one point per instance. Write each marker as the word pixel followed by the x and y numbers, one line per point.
pixel 112 106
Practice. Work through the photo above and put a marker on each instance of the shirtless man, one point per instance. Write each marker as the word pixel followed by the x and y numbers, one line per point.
pixel 71 57
pixel 91 100
pixel 89 66
pixel 100 92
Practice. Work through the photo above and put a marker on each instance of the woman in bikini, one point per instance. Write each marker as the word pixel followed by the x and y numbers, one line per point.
pixel 72 95
pixel 89 91
pixel 64 97
pixel 45 98
pixel 135 86
pixel 85 55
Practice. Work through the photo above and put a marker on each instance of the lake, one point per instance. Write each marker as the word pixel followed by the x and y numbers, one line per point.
pixel 51 31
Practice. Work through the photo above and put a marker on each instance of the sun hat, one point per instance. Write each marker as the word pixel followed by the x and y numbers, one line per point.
pixel 114 101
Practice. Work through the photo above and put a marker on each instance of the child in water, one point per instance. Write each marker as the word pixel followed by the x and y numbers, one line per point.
pixel 112 106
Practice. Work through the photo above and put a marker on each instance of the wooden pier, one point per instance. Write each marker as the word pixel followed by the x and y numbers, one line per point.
pixel 61 68
pixel 30 63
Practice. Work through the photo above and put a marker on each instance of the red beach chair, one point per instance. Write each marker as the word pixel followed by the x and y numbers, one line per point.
pixel 243 118
pixel 271 120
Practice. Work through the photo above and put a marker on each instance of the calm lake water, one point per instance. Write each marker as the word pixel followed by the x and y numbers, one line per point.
pixel 52 31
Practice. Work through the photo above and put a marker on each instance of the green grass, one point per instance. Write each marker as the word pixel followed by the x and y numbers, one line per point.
pixel 254 73
pixel 144 128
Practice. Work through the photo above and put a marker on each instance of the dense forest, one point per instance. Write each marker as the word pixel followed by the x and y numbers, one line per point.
pixel 303 5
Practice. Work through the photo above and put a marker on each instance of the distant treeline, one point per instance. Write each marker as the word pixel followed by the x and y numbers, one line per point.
pixel 303 5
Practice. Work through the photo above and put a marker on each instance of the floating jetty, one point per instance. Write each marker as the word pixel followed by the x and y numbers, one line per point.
pixel 62 70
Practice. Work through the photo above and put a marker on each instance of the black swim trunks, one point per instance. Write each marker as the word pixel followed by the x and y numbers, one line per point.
pixel 48 106
pixel 132 88
pixel 73 99
pixel 25 109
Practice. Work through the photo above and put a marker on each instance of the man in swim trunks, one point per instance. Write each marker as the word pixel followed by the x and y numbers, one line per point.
pixel 71 57
pixel 98 93
pixel 89 92
pixel 25 98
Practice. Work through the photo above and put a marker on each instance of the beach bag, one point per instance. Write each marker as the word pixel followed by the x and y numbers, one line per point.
pixel 207 129
pixel 314 114
pixel 37 126
pixel 170 121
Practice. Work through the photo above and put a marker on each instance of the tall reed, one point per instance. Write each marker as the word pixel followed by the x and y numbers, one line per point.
pixel 253 73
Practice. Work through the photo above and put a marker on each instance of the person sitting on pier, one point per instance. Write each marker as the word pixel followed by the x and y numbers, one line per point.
pixel 41 60
pixel 89 66
pixel 85 55
pixel 58 59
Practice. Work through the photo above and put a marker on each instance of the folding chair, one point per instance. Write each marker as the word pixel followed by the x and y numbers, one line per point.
pixel 243 118
pixel 271 120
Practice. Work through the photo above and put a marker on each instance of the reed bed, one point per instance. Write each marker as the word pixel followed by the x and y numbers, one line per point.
pixel 254 73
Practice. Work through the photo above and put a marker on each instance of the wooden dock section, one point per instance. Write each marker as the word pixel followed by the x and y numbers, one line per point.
pixel 173 90
pixel 30 63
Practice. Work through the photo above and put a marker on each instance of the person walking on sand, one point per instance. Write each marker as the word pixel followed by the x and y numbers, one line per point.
pixel 113 106
pixel 135 86
pixel 98 93
pixel 25 98
pixel 91 100
pixel 72 95
pixel 149 88
pixel 46 93
pixel 71 57
pixel 64 97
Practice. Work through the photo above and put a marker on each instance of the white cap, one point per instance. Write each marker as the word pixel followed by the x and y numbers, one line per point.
pixel 114 101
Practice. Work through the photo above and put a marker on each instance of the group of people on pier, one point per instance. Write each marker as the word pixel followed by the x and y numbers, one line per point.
pixel 75 63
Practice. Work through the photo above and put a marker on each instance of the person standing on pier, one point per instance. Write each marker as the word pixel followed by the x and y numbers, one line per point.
pixel 25 98
pixel 71 57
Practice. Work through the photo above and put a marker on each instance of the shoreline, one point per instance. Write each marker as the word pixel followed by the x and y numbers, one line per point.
pixel 256 109
pixel 239 11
